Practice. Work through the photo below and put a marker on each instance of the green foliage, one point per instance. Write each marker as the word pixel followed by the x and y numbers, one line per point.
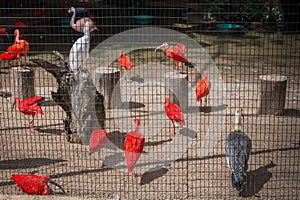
pixel 240 11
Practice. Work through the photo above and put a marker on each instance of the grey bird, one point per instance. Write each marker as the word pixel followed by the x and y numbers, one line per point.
pixel 238 148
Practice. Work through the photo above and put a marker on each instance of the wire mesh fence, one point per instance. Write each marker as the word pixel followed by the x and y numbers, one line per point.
pixel 248 49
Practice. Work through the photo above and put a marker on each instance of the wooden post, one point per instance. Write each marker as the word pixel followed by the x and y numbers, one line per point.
pixel 272 94
pixel 108 83
pixel 178 84
pixel 22 83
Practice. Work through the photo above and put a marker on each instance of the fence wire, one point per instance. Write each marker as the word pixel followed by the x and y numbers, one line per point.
pixel 237 42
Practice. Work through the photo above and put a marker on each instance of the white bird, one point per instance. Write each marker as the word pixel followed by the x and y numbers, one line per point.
pixel 79 25
pixel 80 49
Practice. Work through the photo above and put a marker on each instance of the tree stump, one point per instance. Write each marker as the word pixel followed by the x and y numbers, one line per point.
pixel 109 84
pixel 22 83
pixel 178 85
pixel 272 94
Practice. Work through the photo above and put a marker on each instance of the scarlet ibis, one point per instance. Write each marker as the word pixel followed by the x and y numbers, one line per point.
pixel 80 49
pixel 124 61
pixel 133 147
pixel 174 113
pixel 34 184
pixel 97 141
pixel 203 87
pixel 79 25
pixel 20 46
pixel 176 53
pixel 238 149
pixel 30 106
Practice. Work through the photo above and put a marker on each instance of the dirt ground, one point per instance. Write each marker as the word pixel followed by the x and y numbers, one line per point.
pixel 274 163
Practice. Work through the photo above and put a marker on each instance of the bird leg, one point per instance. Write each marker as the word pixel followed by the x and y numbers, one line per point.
pixel 174 127
pixel 31 125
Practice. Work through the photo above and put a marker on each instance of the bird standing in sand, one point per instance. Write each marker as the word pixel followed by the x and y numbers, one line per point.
pixel 238 148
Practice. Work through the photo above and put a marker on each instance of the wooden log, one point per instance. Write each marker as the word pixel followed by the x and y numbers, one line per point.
pixel 272 93
pixel 22 83
pixel 178 85
pixel 107 84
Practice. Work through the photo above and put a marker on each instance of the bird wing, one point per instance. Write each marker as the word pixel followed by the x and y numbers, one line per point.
pixel 202 89
pixel 9 56
pixel 79 52
pixel 133 147
pixel 180 49
pixel 238 148
pixel 32 105
pixel 15 48
pixel 32 101
pixel 97 140
pixel 174 112
pixel 124 61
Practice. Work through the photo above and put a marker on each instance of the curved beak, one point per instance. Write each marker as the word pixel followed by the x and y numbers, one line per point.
pixel 57 185
pixel 159 47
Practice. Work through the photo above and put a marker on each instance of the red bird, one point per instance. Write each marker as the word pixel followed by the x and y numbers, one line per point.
pixel 14 51
pixel 30 106
pixel 173 111
pixel 203 87
pixel 97 141
pixel 124 61
pixel 33 184
pixel 20 46
pixel 133 147
pixel 176 53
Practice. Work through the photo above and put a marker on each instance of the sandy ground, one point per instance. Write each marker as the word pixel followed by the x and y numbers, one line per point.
pixel 273 166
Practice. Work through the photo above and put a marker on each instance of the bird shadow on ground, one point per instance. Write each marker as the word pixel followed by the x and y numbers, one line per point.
pixel 148 177
pixel 255 181
pixel 206 109
pixel 28 163
pixel 131 105
pixel 52 131
pixel 291 112
pixel 188 133
pixel 156 143
pixel 117 138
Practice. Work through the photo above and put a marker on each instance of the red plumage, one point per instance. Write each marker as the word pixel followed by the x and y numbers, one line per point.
pixel 176 53
pixel 97 141
pixel 14 51
pixel 124 61
pixel 203 87
pixel 9 56
pixel 174 113
pixel 133 146
pixel 30 106
pixel 32 184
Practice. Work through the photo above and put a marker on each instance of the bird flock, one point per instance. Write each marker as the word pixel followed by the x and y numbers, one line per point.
pixel 237 146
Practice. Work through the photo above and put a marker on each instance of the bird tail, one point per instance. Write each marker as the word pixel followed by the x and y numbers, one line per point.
pixel 41 101
pixel 180 123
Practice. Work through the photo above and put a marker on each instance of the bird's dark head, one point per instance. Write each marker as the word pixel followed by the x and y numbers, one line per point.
pixel 71 10
pixel 237 183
